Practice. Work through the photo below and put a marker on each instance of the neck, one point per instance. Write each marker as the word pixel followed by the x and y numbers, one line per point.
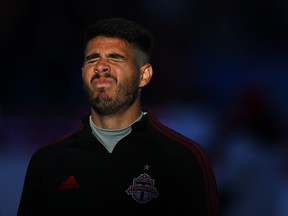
pixel 117 120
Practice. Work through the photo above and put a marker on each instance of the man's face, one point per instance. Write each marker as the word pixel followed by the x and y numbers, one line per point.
pixel 110 75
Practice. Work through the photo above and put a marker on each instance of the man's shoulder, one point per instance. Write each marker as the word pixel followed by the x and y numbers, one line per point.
pixel 177 146
pixel 59 144
pixel 172 139
pixel 165 131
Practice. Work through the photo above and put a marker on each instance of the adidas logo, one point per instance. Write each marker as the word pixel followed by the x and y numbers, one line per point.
pixel 69 183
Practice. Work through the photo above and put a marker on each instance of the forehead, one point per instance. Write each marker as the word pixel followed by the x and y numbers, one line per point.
pixel 105 44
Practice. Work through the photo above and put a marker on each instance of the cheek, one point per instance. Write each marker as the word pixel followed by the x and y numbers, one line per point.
pixel 86 75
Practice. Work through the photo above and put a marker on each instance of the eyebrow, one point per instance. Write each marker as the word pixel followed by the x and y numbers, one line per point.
pixel 92 56
pixel 117 56
pixel 111 55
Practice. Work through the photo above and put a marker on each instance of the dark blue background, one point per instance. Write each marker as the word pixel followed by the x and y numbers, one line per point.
pixel 220 78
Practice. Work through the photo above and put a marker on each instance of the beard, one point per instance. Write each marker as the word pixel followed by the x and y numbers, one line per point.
pixel 125 94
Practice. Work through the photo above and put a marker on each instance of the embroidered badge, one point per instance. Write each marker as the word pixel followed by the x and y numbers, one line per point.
pixel 143 189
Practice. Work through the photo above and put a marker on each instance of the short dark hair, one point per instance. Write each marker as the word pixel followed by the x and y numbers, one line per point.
pixel 130 31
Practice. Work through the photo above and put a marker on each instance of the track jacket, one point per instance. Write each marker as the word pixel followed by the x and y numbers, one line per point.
pixel 153 170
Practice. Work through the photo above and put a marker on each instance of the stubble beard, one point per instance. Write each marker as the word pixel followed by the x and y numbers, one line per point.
pixel 124 96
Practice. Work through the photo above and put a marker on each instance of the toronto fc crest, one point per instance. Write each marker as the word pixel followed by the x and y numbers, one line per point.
pixel 143 189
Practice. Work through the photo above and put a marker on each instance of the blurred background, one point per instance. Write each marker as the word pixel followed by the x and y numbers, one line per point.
pixel 220 78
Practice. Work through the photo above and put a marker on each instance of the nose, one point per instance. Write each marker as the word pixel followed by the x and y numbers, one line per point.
pixel 102 66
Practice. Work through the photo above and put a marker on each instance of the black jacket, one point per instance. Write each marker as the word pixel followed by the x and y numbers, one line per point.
pixel 153 170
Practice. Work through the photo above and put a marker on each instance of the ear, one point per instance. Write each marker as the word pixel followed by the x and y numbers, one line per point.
pixel 146 72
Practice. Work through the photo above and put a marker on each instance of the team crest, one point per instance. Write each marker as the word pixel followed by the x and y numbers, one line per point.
pixel 143 189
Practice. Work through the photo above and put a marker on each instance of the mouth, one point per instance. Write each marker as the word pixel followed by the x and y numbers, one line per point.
pixel 102 82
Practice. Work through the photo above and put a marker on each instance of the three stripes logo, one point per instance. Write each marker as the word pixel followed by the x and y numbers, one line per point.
pixel 69 183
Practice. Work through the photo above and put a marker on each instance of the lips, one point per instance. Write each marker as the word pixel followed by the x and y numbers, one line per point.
pixel 102 82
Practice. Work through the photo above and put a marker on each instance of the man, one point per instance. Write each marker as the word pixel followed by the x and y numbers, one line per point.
pixel 123 160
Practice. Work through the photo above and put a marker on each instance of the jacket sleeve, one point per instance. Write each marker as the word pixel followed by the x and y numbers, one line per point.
pixel 32 197
pixel 208 199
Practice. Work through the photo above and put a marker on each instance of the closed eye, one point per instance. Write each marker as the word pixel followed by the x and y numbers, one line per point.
pixel 93 58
